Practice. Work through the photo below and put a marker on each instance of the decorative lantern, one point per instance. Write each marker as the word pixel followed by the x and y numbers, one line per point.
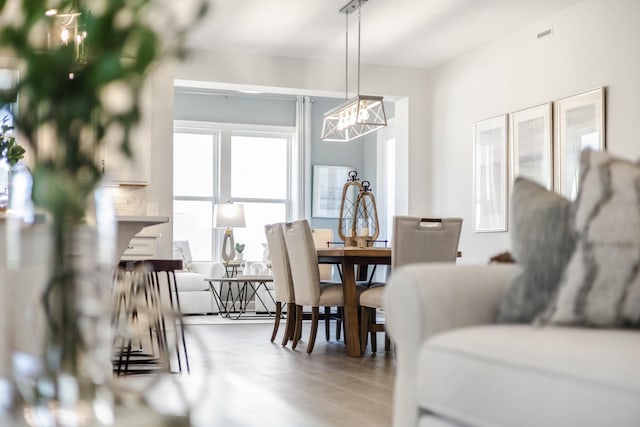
pixel 365 226
pixel 350 192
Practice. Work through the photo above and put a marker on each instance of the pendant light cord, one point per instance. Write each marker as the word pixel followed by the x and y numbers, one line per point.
pixel 359 16
pixel 346 60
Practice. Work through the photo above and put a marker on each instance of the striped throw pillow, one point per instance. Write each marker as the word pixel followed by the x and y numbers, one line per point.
pixel 600 286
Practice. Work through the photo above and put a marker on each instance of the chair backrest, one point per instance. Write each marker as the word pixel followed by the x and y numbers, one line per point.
pixel 418 240
pixel 303 259
pixel 322 238
pixel 279 263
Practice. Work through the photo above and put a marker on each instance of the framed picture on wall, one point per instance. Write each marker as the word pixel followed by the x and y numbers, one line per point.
pixel 490 174
pixel 328 182
pixel 580 124
pixel 531 145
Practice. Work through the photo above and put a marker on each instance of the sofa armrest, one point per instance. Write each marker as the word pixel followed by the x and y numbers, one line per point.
pixel 422 300
pixel 209 269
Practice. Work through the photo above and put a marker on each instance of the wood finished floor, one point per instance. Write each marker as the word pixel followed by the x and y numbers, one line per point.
pixel 335 389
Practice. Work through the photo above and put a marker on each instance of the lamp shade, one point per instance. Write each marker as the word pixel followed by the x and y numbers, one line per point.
pixel 228 215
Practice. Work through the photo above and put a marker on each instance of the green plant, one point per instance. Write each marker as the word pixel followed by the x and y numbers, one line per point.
pixel 11 150
pixel 240 247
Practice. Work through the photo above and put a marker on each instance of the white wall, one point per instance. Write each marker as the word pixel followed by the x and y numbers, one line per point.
pixel 593 44
pixel 311 77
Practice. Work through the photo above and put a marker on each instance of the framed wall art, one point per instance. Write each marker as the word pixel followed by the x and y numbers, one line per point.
pixel 328 182
pixel 580 124
pixel 531 147
pixel 490 174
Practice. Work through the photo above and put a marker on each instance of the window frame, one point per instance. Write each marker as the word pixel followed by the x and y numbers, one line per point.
pixel 222 139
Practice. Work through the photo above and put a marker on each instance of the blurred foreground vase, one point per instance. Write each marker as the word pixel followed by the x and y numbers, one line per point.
pixel 62 367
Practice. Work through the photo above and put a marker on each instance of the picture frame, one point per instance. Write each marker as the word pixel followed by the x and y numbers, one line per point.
pixel 531 144
pixel 580 124
pixel 490 170
pixel 328 182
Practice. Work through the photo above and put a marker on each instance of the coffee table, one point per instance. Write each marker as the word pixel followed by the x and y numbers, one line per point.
pixel 247 287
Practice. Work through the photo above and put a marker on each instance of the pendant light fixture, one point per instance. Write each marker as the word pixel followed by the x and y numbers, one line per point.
pixel 66 27
pixel 360 115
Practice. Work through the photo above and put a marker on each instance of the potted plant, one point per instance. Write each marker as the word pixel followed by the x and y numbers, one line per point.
pixel 10 155
pixel 239 249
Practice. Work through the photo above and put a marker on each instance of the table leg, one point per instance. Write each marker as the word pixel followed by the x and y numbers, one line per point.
pixel 217 298
pixel 352 334
pixel 257 297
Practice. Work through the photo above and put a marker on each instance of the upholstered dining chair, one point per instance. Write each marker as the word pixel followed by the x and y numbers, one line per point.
pixel 303 260
pixel 282 280
pixel 414 240
pixel 323 238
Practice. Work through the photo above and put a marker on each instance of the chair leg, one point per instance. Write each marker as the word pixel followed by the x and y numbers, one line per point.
pixel 290 327
pixel 315 315
pixel 298 331
pixel 373 330
pixel 364 328
pixel 327 320
pixel 374 342
pixel 338 323
pixel 276 323
pixel 387 342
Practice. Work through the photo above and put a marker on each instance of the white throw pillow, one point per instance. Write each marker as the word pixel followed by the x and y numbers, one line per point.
pixel 182 251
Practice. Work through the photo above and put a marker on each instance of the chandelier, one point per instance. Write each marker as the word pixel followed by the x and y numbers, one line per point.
pixel 360 115
pixel 66 28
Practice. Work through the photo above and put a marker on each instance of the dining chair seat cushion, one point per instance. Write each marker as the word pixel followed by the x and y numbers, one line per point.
pixel 372 297
pixel 331 295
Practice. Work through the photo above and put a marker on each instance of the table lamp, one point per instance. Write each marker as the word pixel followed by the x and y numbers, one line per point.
pixel 228 215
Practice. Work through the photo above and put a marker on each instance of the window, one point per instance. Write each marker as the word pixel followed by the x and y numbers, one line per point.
pixel 252 165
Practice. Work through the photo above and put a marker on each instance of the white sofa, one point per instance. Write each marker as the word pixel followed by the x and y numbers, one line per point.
pixel 456 367
pixel 193 290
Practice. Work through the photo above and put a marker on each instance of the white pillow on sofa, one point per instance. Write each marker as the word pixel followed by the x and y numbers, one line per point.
pixel 182 251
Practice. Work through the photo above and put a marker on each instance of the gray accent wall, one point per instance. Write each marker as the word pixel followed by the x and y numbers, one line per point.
pixel 234 108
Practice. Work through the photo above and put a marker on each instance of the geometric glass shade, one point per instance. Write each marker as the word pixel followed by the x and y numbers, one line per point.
pixel 356 117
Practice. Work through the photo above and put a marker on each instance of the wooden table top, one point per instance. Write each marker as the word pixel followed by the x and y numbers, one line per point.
pixel 355 255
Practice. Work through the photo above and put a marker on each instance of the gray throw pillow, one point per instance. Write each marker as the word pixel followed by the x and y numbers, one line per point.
pixel 542 241
pixel 601 284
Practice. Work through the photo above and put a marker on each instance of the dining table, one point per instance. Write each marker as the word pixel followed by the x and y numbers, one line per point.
pixel 348 258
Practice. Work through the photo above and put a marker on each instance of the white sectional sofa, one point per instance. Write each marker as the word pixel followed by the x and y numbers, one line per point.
pixel 456 367
pixel 193 290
